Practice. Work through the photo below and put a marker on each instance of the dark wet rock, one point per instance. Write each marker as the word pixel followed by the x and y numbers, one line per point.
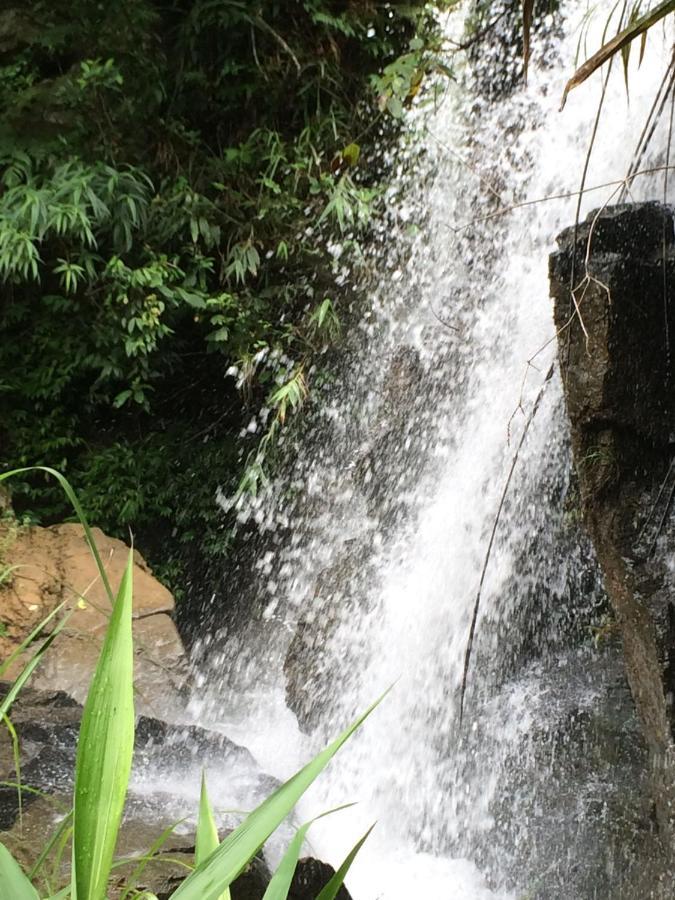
pixel 616 359
pixel 313 666
pixel 48 724
pixel 310 877
pixel 164 879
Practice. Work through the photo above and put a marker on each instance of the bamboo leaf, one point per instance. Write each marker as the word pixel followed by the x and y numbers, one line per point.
pixel 616 45
pixel 13 883
pixel 104 752
pixel 222 867
pixel 331 889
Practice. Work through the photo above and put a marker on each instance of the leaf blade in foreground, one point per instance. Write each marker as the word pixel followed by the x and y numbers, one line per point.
pixel 222 867
pixel 14 885
pixel 329 892
pixel 104 752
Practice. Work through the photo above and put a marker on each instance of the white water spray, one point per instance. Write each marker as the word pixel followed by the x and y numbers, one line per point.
pixel 375 567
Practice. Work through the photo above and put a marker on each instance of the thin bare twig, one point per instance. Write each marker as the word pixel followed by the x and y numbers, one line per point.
pixel 566 195
pixel 664 262
pixel 495 524
pixel 462 161
pixel 262 24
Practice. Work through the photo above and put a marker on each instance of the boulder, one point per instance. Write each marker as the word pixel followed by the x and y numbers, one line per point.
pixel 615 336
pixel 311 876
pixel 50 566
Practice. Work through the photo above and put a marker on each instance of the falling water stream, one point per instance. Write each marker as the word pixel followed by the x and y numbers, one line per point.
pixel 373 542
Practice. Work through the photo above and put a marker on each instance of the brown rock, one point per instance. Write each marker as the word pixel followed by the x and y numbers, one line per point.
pixel 55 565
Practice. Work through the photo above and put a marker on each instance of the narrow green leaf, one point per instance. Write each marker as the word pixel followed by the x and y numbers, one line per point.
pixel 13 883
pixel 222 867
pixel 61 895
pixel 143 861
pixel 16 756
pixel 207 840
pixel 280 884
pixel 334 885
pixel 72 496
pixel 104 752
pixel 64 826
pixel 28 670
pixel 29 640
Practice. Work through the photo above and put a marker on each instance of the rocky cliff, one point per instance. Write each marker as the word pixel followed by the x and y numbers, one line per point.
pixel 613 283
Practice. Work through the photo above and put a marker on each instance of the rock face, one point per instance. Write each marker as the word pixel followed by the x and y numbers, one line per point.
pixel 615 333
pixel 49 566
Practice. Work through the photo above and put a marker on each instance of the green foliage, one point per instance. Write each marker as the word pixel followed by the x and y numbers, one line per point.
pixel 168 175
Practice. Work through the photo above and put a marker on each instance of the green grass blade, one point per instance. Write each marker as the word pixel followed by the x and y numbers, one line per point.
pixel 72 496
pixel 13 883
pixel 280 884
pixel 16 758
pixel 209 879
pixel 27 671
pixel 61 895
pixel 207 839
pixel 64 826
pixel 29 640
pixel 143 861
pixel 104 752
pixel 334 885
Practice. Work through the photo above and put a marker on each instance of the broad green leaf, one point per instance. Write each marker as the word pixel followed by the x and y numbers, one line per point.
pixel 13 883
pixel 351 154
pixel 104 752
pixel 209 879
pixel 207 840
pixel 334 885
pixel 280 884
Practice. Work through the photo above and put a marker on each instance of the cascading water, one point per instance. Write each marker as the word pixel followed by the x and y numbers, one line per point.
pixel 375 540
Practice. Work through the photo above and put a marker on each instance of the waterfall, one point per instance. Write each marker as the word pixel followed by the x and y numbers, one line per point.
pixel 375 536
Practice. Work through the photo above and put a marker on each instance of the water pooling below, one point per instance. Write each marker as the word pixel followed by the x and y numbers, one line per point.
pixel 368 576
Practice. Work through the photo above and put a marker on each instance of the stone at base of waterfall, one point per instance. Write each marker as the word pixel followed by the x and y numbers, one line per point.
pixel 53 566
pixel 47 724
pixel 311 875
